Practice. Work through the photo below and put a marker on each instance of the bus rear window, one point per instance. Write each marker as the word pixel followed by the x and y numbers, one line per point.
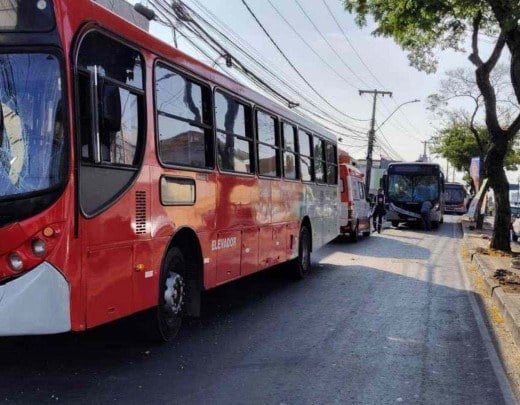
pixel 26 16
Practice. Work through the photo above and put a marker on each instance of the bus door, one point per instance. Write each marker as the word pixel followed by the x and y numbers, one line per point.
pixel 113 191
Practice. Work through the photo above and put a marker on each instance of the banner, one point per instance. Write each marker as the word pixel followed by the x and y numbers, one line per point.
pixel 477 202
pixel 474 172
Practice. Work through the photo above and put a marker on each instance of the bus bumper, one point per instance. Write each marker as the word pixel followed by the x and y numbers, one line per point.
pixel 35 303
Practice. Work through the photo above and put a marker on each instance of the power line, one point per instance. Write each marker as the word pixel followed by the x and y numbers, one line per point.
pixel 292 65
pixel 319 116
pixel 329 44
pixel 352 45
pixel 310 47
pixel 219 49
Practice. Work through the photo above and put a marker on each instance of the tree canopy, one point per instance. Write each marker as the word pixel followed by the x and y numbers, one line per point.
pixel 457 145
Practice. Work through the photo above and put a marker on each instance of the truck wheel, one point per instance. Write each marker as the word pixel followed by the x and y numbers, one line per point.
pixel 302 264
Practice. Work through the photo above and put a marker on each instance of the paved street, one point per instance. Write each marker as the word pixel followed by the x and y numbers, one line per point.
pixel 386 320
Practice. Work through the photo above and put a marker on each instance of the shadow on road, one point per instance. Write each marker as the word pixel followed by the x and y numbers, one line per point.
pixel 267 338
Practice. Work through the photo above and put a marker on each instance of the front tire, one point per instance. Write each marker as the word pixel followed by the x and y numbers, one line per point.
pixel 167 316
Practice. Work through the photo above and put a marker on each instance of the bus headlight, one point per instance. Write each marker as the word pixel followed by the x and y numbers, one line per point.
pixel 16 262
pixel 38 247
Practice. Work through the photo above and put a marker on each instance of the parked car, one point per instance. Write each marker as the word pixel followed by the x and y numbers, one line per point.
pixel 456 198
pixel 354 205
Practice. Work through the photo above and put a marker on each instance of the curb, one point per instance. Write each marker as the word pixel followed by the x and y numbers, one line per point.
pixel 499 297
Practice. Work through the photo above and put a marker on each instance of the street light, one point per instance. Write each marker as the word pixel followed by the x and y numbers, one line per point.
pixel 397 108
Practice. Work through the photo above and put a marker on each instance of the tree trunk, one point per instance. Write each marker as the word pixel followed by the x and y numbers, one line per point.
pixel 498 182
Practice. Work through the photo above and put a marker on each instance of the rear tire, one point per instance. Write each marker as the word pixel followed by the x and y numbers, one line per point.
pixel 302 264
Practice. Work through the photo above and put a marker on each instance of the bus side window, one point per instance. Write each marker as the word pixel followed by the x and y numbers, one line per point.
pixel 332 163
pixel 290 156
pixel 319 160
pixel 268 145
pixel 306 161
pixel 234 138
pixel 184 120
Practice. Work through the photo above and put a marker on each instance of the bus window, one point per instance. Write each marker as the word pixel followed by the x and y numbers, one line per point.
pixel 183 120
pixel 332 163
pixel 304 141
pixel 118 107
pixel 268 153
pixel 234 140
pixel 290 170
pixel 110 100
pixel 319 161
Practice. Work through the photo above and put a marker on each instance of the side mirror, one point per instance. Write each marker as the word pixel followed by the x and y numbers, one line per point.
pixel 110 108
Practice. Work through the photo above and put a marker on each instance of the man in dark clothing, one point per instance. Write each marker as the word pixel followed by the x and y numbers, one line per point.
pixel 379 210
pixel 425 215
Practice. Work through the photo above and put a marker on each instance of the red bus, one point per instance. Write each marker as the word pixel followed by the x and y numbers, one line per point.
pixel 133 177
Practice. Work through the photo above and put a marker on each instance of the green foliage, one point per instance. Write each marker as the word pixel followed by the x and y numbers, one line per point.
pixel 422 26
pixel 457 144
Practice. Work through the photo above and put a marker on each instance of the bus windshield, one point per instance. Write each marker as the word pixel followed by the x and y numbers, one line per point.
pixel 455 194
pixel 413 187
pixel 32 147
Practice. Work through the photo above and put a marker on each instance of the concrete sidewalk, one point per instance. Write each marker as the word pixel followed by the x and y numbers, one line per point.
pixel 506 298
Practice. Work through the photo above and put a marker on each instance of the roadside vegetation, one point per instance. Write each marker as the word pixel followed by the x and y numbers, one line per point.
pixel 425 28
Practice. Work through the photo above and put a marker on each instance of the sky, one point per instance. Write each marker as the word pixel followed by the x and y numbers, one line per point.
pixel 403 132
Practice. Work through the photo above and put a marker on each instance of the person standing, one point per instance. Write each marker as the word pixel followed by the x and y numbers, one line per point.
pixel 425 215
pixel 379 210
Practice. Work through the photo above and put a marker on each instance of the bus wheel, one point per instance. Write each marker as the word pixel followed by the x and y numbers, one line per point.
pixel 172 296
pixel 302 264
pixel 395 224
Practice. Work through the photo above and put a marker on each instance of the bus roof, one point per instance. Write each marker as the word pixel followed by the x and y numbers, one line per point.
pixel 413 164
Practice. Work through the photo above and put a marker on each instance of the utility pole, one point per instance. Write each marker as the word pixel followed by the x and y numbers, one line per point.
pixel 425 158
pixel 372 134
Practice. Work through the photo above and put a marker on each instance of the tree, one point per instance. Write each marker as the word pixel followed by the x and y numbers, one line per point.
pixel 457 143
pixel 423 27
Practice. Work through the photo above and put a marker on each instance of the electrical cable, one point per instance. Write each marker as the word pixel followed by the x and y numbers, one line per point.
pixel 254 78
pixel 292 65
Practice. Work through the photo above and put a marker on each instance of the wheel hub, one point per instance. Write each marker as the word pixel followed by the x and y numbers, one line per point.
pixel 174 293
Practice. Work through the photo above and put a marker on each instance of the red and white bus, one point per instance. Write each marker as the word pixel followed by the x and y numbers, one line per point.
pixel 133 177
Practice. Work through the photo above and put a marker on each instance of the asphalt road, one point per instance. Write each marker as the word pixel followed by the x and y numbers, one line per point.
pixel 386 320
